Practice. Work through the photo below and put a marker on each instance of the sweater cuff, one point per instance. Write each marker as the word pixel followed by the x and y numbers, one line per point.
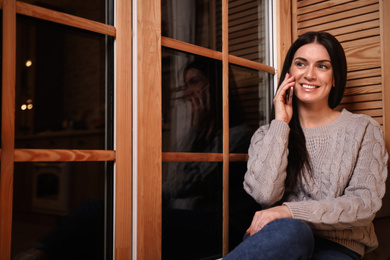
pixel 299 210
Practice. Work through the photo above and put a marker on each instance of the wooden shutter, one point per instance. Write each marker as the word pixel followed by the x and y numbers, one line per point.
pixel 356 24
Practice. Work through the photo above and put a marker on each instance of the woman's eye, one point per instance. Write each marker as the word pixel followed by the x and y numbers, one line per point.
pixel 300 64
pixel 323 66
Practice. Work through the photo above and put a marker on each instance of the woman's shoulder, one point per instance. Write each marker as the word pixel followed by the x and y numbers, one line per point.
pixel 360 119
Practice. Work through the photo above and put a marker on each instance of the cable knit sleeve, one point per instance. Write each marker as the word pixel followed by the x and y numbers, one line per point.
pixel 362 164
pixel 267 163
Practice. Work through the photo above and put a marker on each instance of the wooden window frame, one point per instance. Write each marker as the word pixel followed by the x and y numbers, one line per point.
pixel 149 150
pixel 10 155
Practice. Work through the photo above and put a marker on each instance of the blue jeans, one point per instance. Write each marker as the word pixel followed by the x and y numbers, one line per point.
pixel 289 239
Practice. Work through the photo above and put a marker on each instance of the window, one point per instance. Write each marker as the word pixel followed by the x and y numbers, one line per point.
pixel 57 148
pixel 213 99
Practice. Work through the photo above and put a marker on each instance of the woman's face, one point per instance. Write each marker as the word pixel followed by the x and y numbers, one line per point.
pixel 313 72
pixel 197 88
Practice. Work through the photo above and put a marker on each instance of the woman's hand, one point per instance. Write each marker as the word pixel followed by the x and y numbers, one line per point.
pixel 263 217
pixel 283 99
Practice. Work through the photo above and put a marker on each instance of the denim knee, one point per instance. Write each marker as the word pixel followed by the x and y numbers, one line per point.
pixel 280 239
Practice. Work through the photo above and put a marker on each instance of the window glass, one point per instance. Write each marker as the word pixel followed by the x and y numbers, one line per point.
pixel 192 103
pixel 192 210
pixel 242 206
pixel 60 86
pixel 90 9
pixel 59 209
pixel 248 31
pixel 193 21
pixel 250 92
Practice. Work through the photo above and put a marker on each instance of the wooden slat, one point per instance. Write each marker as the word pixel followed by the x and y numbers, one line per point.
pixel 359 35
pixel 63 18
pixel 372 112
pixel 364 73
pixel 338 12
pixel 52 155
pixel 362 98
pixel 363 56
pixel 304 3
pixel 364 81
pixel 7 127
pixel 363 105
pixel 363 90
pixel 304 8
pixel 354 28
pixel 337 24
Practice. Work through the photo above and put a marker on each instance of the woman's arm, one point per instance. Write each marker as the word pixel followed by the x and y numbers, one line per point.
pixel 267 163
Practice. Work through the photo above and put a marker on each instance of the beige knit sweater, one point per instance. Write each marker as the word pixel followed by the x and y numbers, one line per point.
pixel 349 164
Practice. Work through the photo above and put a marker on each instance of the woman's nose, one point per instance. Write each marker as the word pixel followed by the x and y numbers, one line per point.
pixel 310 73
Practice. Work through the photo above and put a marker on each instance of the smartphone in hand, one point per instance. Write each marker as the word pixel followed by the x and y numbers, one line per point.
pixel 289 95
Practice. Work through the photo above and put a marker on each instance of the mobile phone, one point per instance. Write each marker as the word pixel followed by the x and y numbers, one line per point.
pixel 289 94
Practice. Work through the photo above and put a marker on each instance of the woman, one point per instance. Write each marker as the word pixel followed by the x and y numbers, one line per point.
pixel 319 172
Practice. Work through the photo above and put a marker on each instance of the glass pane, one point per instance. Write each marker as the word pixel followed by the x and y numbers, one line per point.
pixel 60 86
pixel 248 35
pixel 193 21
pixel 250 92
pixel 192 104
pixel 242 207
pixel 192 210
pixel 59 208
pixel 90 9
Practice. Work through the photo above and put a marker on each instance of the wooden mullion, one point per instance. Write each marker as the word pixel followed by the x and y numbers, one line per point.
pixel 190 48
pixel 123 232
pixel 149 147
pixel 7 127
pixel 63 18
pixel 55 155
pixel 197 50
pixel 225 127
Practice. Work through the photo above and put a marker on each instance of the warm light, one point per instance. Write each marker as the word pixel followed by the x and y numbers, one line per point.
pixel 28 63
pixel 29 106
pixel 24 107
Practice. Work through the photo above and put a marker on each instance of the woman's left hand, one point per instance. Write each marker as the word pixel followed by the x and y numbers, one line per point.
pixel 263 217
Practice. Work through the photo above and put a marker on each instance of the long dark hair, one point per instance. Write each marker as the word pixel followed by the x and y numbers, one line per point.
pixel 298 157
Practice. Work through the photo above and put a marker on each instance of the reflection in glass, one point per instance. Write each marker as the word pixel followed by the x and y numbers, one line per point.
pixel 89 9
pixel 248 25
pixel 192 210
pixel 58 210
pixel 252 91
pixel 60 86
pixel 193 21
pixel 192 104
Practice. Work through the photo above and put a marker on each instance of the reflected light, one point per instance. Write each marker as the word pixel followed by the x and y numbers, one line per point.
pixel 28 63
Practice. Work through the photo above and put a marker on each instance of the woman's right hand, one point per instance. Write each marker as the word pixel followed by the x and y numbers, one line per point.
pixel 283 99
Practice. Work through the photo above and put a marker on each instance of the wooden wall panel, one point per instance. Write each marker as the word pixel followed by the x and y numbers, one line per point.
pixel 356 24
